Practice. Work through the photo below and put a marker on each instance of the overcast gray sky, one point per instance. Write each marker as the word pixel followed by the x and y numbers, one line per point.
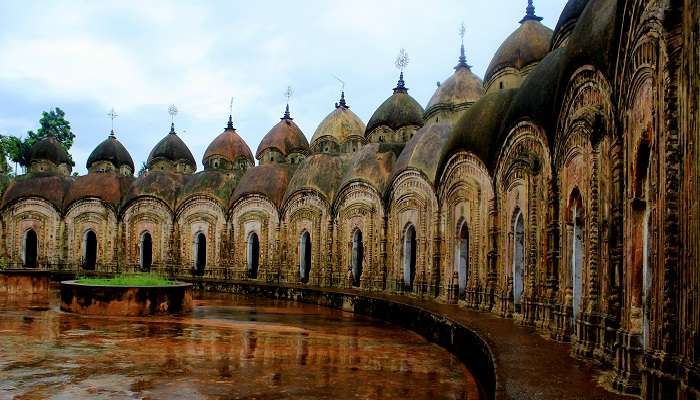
pixel 140 56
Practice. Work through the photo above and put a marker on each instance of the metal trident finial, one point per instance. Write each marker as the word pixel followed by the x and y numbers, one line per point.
pixel 172 110
pixel 112 115
pixel 288 93
pixel 462 31
pixel 402 60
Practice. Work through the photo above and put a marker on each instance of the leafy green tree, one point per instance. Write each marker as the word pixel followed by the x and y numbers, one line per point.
pixel 15 149
pixel 52 123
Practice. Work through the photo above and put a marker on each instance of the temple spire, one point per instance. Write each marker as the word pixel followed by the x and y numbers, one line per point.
pixel 342 102
pixel 401 63
pixel 462 58
pixel 530 13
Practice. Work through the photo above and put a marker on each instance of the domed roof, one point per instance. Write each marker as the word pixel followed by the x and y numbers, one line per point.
pixel 321 173
pixel 212 183
pixel 425 148
pixel 108 187
pixel 460 89
pixel 527 44
pixel 49 148
pixel 269 180
pixel 341 124
pixel 594 39
pixel 399 110
pixel 285 137
pixel 51 188
pixel 567 20
pixel 373 164
pixel 111 150
pixel 540 93
pixel 162 185
pixel 478 130
pixel 229 145
pixel 172 148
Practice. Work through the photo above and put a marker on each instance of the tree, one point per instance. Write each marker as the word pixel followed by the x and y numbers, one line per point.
pixel 52 123
pixel 15 149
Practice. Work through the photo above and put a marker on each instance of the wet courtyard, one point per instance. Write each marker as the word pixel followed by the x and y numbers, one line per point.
pixel 228 347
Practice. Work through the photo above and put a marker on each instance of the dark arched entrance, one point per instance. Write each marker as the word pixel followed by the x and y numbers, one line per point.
pixel 518 260
pixel 90 250
pixel 463 258
pixel 304 257
pixel 200 247
pixel 409 257
pixel 253 255
pixel 146 251
pixel 357 255
pixel 31 247
pixel 576 253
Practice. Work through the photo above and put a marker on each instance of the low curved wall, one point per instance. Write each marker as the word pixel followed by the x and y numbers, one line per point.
pixel 126 300
pixel 461 341
pixel 24 281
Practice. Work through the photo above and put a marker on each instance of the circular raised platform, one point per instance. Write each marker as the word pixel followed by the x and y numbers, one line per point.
pixel 80 298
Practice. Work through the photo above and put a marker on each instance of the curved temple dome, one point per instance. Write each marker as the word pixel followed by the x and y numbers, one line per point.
pixel 228 147
pixel 339 127
pixel 171 153
pixel 285 137
pixel 398 111
pixel 111 151
pixel 526 46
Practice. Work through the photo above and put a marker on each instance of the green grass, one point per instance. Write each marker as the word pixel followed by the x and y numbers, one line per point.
pixel 126 280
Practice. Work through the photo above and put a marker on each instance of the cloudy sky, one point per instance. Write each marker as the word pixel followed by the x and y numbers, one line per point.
pixel 141 56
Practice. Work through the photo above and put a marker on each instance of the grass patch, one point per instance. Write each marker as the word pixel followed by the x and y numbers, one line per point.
pixel 126 280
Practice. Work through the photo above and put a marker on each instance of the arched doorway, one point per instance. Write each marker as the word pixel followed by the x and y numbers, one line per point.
pixel 31 249
pixel 409 257
pixel 577 257
pixel 146 251
pixel 463 258
pixel 200 253
pixel 642 215
pixel 304 257
pixel 253 255
pixel 89 250
pixel 518 259
pixel 357 255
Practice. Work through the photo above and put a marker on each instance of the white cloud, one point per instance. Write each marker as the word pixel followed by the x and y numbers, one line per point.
pixel 140 56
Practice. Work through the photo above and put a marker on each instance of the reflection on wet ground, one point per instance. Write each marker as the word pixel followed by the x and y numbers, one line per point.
pixel 228 347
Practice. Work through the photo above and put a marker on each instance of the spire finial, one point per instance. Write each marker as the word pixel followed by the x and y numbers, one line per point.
pixel 530 13
pixel 342 102
pixel 230 115
pixel 288 94
pixel 401 63
pixel 462 58
pixel 112 116
pixel 172 110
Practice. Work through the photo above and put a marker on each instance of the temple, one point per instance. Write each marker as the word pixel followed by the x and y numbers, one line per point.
pixel 561 191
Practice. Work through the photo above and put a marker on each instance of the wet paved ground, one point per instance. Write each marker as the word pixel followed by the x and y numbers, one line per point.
pixel 229 347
